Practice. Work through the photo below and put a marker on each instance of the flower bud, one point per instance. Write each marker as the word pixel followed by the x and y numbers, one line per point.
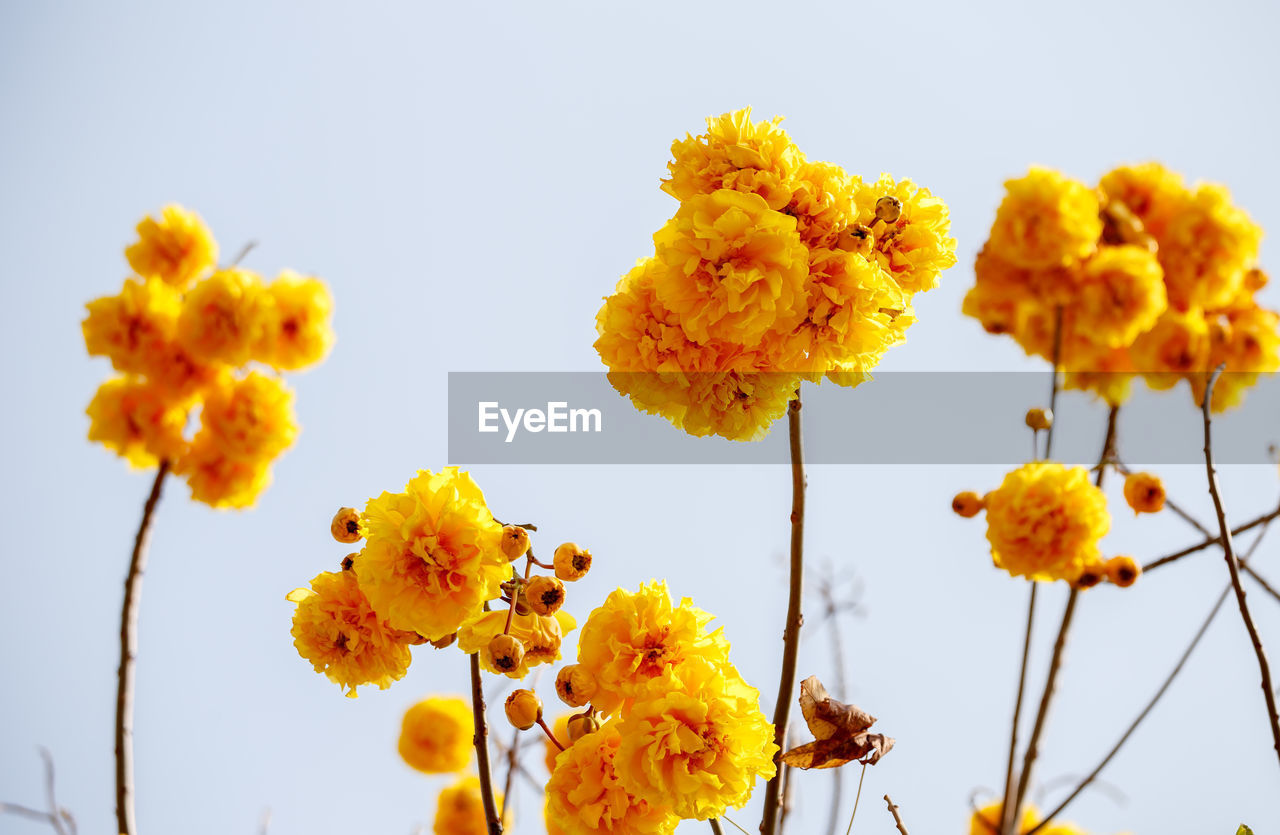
pixel 446 641
pixel 575 685
pixel 507 653
pixel 888 209
pixel 1144 492
pixel 1039 419
pixel 1090 577
pixel 523 708
pixel 1122 571
pixel 349 562
pixel 967 504
pixel 544 595
pixel 572 562
pixel 345 526
pixel 581 725
pixel 856 238
pixel 515 542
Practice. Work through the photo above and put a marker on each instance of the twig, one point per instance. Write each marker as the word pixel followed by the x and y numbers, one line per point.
pixel 791 636
pixel 715 826
pixel 244 251
pixel 1053 390
pixel 1258 578
pixel 1209 542
pixel 26 812
pixel 1133 726
pixel 55 811
pixel 125 818
pixel 1005 809
pixel 481 740
pixel 1059 645
pixel 1228 552
pixel 897 819
pixel 513 763
pixel 735 823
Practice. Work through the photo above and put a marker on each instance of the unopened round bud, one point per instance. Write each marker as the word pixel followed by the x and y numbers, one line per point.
pixel 888 209
pixel 515 542
pixel 523 708
pixel 856 238
pixel 545 595
pixel 506 653
pixel 575 685
pixel 446 641
pixel 349 562
pixel 581 725
pixel 345 526
pixel 1144 492
pixel 1039 419
pixel 1122 571
pixel 1090 577
pixel 967 504
pixel 572 562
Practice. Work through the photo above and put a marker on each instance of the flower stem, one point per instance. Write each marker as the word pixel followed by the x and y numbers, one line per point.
pixel 791 636
pixel 1053 389
pixel 1006 823
pixel 1228 552
pixel 1060 644
pixel 125 818
pixel 481 740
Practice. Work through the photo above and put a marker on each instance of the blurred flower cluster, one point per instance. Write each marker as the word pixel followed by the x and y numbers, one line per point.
pixel 1148 275
pixel 433 560
pixel 184 335
pixel 774 269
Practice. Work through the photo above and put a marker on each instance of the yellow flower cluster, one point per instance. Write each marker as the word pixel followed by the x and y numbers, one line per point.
pixel 181 333
pixel 433 558
pixel 1044 523
pixel 774 269
pixel 685 736
pixel 436 735
pixel 1152 277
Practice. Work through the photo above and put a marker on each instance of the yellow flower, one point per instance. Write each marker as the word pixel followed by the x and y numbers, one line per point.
pixel 175 249
pixel 822 202
pixel 523 709
pixel 915 247
pixel 1144 492
pixel 339 633
pixel 432 555
pixel 297 332
pixel 1121 295
pixel 698 745
pixel 219 480
pixel 436 735
pixel 134 326
pixel 174 369
pixel 251 418
pixel 729 267
pixel 1045 520
pixel 1207 248
pixel 541 636
pixel 635 638
pixel 986 821
pixel 1177 345
pixel 1108 375
pixel 460 809
pixel 1046 220
pixel 998 293
pixel 137 420
pixel 1246 339
pixel 735 153
pixel 586 797
pixel 1149 190
pixel 223 317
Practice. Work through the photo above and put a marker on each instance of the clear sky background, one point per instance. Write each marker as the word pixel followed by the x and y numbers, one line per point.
pixel 471 179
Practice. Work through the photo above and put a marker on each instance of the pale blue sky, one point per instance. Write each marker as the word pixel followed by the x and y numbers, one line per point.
pixel 471 179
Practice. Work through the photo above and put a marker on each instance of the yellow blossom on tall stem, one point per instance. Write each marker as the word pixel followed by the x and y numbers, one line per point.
pixel 432 555
pixel 251 417
pixel 435 735
pixel 296 333
pixel 585 795
pixel 336 629
pixel 1046 220
pixel 136 419
pixel 223 317
pixel 739 154
pixel 132 327
pixel 696 743
pixel 175 248
pixel 219 480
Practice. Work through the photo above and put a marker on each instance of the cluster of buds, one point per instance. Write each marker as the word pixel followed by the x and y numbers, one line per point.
pixel 528 593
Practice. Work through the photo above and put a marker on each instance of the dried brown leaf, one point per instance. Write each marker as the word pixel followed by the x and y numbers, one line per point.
pixel 840 730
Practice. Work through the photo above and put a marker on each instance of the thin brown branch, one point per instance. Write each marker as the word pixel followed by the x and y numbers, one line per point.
pixel 50 795
pixel 791 636
pixel 126 823
pixel 481 740
pixel 244 251
pixel 1006 821
pixel 1259 579
pixel 1053 389
pixel 1060 643
pixel 513 764
pixel 897 819
pixel 1159 694
pixel 26 812
pixel 1228 552
pixel 1210 541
